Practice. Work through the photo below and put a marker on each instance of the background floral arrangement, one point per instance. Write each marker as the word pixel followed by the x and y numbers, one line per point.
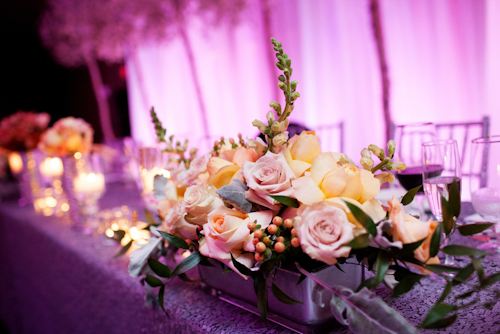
pixel 257 205
pixel 67 136
pixel 21 131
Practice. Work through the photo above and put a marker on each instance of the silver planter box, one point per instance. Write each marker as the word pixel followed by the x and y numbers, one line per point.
pixel 315 309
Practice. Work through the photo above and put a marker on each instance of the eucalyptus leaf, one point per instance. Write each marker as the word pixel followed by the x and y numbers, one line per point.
pixel 361 241
pixel 124 249
pixel 240 267
pixel 446 291
pixel 153 281
pixel 234 194
pixel 287 201
pixel 442 323
pixel 448 217
pixel 436 241
pixel 409 248
pixel 160 187
pixel 463 274
pixel 282 296
pixel 463 250
pixel 363 218
pixel 361 311
pixel 437 312
pixel 408 197
pixel 438 268
pixel 454 198
pixel 174 240
pixel 159 268
pixel 490 280
pixel 471 229
pixel 187 264
pixel 406 284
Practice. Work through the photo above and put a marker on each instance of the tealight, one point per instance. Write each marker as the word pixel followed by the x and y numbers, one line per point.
pixel 15 162
pixel 89 183
pixel 52 167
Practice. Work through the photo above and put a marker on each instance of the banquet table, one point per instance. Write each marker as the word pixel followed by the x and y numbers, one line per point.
pixel 56 280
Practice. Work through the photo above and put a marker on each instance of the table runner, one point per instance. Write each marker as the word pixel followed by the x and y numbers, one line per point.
pixel 55 280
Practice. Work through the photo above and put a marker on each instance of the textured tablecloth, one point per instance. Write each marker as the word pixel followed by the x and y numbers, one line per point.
pixel 55 280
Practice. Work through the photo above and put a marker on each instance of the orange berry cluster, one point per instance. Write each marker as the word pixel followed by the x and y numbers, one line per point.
pixel 265 243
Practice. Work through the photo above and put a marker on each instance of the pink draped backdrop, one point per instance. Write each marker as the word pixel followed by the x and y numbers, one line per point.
pixel 443 56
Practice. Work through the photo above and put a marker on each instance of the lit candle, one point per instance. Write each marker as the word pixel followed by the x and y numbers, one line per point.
pixel 15 162
pixel 148 177
pixel 88 183
pixel 51 167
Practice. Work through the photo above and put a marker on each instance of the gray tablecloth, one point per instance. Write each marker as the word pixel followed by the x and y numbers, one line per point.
pixel 55 280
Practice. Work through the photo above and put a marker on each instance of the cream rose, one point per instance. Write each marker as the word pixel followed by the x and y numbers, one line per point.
pixel 327 180
pixel 301 151
pixel 199 201
pixel 323 230
pixel 270 175
pixel 177 225
pixel 226 232
pixel 408 229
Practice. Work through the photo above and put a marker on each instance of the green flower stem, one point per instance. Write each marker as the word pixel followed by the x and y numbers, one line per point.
pixel 380 165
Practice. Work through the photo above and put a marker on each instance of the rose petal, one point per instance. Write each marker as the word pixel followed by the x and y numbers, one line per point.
pixel 306 191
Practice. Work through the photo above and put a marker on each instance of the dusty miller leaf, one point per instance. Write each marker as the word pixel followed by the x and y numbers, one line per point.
pixel 234 194
pixel 160 187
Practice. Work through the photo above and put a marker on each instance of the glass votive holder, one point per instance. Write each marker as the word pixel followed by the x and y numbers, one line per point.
pixel 152 161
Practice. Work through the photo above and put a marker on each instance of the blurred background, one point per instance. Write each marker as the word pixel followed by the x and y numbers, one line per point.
pixel 208 67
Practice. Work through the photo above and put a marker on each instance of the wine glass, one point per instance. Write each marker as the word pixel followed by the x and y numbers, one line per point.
pixel 441 166
pixel 485 181
pixel 409 139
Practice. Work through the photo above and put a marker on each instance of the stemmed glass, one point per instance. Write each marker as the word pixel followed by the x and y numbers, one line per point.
pixel 441 166
pixel 409 139
pixel 485 182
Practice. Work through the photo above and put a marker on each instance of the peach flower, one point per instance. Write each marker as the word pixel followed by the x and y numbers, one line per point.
pixel 222 171
pixel 301 151
pixel 327 180
pixel 408 229
pixel 226 232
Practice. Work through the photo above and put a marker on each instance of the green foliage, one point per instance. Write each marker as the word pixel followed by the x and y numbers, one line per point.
pixel 286 201
pixel 124 249
pixel 361 241
pixel 159 268
pixel 174 240
pixel 282 296
pixel 363 218
pixel 472 229
pixel 410 195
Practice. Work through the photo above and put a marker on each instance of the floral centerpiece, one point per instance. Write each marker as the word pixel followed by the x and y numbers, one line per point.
pixel 21 131
pixel 66 137
pixel 258 205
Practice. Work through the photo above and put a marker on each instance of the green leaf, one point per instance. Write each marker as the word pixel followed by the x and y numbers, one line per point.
pixel 472 229
pixel 301 278
pixel 448 220
pixel 383 261
pixel 187 279
pixel 174 240
pixel 153 281
pixel 287 201
pixel 282 296
pixel 478 267
pixel 188 263
pixel 490 280
pixel 438 268
pixel 436 241
pixel 409 248
pixel 259 284
pixel 454 199
pixel 446 291
pixel 161 296
pixel 408 197
pixel 367 283
pixel 438 312
pixel 124 249
pixel 159 268
pixel 465 295
pixel 463 274
pixel 463 250
pixel 268 266
pixel 442 323
pixel 361 241
pixel 241 268
pixel 362 218
pixel 406 284
pixel 227 271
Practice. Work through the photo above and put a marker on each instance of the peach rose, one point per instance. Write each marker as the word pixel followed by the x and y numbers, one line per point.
pixel 408 229
pixel 270 175
pixel 327 180
pixel 222 171
pixel 301 151
pixel 199 201
pixel 226 232
pixel 323 230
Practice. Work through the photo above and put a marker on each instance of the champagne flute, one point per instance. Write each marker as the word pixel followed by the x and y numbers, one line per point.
pixel 485 182
pixel 409 139
pixel 441 166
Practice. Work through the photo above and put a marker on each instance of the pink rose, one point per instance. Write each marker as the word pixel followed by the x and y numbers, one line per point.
pixel 323 230
pixel 226 232
pixel 189 177
pixel 177 225
pixel 270 175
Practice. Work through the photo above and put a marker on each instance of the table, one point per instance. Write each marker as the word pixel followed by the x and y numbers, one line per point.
pixel 55 280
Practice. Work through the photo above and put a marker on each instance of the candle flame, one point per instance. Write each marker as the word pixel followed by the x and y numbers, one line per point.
pixel 134 233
